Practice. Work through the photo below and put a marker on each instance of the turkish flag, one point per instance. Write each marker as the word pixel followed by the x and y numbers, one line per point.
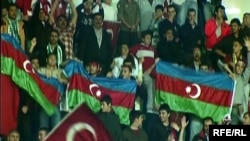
pixel 80 125
pixel 112 28
pixel 9 100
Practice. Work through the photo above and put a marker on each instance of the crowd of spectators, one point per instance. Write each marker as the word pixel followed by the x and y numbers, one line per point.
pixel 194 34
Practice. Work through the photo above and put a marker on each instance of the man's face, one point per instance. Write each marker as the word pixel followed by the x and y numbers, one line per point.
pixel 13 136
pixel 192 17
pixel 12 12
pixel 164 116
pixel 42 15
pixel 171 13
pixel 105 107
pixel 41 135
pixel 62 23
pixel 98 21
pixel 197 54
pixel 220 13
pixel 54 37
pixel 126 73
pixel 206 125
pixel 235 27
pixel 169 35
pixel 246 119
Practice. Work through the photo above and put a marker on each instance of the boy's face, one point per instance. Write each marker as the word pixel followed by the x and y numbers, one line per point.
pixel 105 107
pixel 93 69
pixel 235 27
pixel 52 60
pixel 35 63
pixel 54 37
pixel 125 49
pixel 41 135
pixel 239 67
pixel 237 47
pixel 147 39
pixel 164 116
pixel 159 13
pixel 126 73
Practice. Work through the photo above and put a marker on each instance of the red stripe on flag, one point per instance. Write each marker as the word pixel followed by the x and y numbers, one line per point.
pixel 208 94
pixel 80 125
pixel 119 98
pixel 7 50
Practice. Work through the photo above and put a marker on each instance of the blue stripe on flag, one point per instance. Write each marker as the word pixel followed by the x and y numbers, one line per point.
pixel 128 86
pixel 216 80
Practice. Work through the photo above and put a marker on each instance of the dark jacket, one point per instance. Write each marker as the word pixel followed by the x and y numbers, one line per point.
pixel 89 49
pixel 112 123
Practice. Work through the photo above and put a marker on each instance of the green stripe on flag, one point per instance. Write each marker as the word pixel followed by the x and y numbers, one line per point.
pixel 194 106
pixel 25 81
pixel 76 97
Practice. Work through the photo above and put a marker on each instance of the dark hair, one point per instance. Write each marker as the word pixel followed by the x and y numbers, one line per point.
pixel 44 129
pixel 63 16
pixel 127 66
pixel 235 20
pixel 160 7
pixel 165 107
pixel 191 10
pixel 207 119
pixel 246 14
pixel 50 54
pixel 54 30
pixel 107 99
pixel 129 59
pixel 145 33
pixel 239 40
pixel 172 6
pixel 217 7
pixel 246 113
pixel 11 4
pixel 133 115
pixel 97 14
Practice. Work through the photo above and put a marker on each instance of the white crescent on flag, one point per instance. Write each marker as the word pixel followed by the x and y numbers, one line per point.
pixel 189 89
pixel 78 127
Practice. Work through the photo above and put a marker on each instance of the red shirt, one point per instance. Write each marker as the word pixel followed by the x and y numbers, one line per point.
pixel 149 53
pixel 210 32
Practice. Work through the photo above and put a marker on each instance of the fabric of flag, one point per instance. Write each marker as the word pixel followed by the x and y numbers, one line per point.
pixel 200 93
pixel 113 28
pixel 16 65
pixel 9 101
pixel 80 125
pixel 85 89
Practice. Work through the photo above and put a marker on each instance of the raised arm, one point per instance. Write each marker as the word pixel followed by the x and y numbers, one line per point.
pixel 52 12
pixel 74 12
pixel 246 73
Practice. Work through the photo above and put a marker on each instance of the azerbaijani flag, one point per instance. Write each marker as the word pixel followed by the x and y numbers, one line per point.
pixel 85 89
pixel 16 65
pixel 200 93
